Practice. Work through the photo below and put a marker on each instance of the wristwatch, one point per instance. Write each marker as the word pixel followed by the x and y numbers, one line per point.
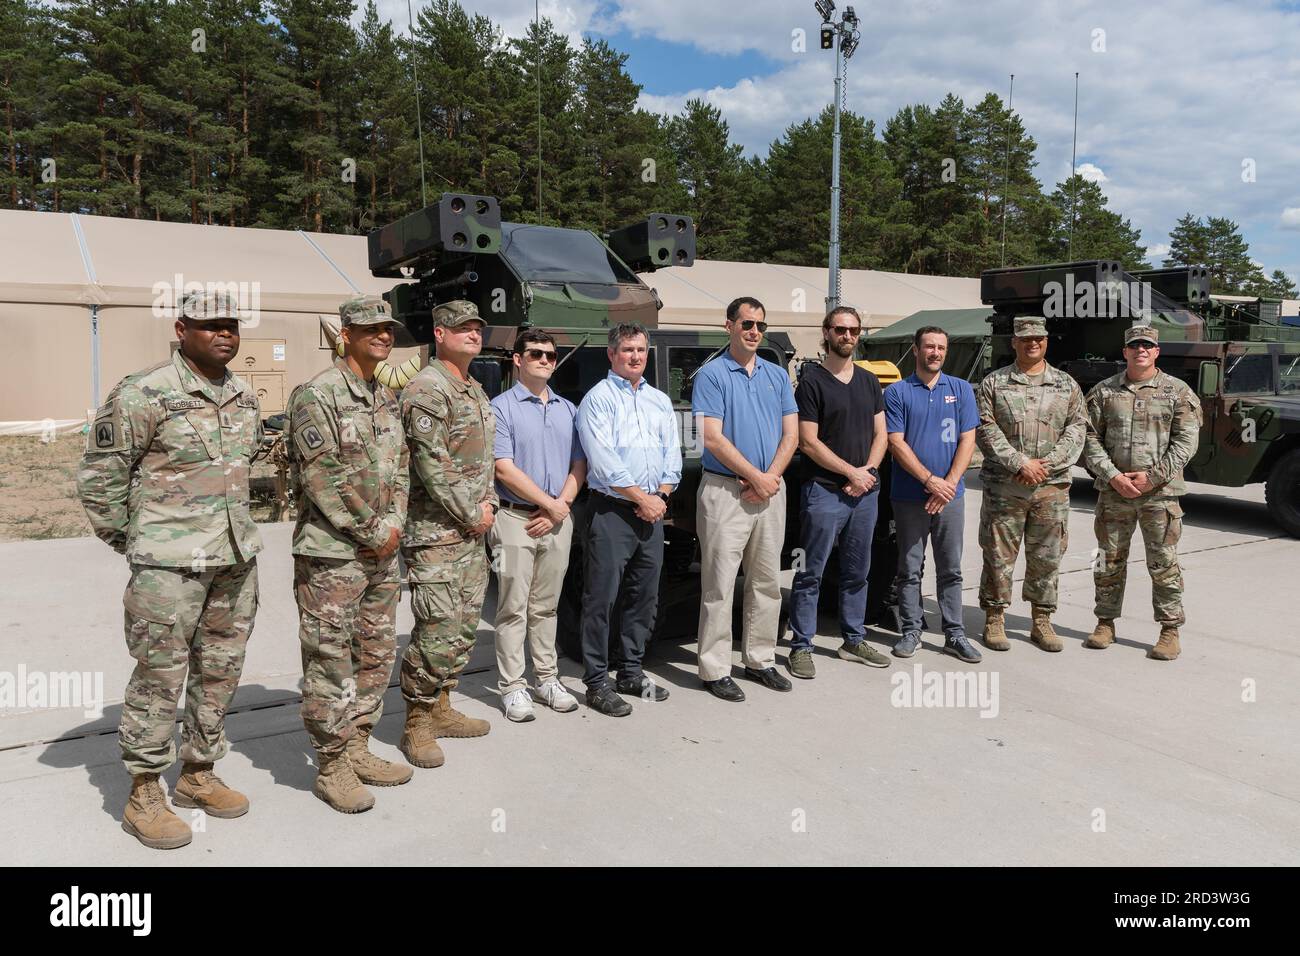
pixel 663 495
pixel 873 472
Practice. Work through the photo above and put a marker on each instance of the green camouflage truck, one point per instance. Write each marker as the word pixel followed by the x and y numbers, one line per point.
pixel 1239 357
pixel 576 286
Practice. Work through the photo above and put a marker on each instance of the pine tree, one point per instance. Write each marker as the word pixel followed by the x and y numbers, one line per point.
pixel 317 55
pixel 710 170
pixel 1217 244
pixel 556 81
pixel 1099 233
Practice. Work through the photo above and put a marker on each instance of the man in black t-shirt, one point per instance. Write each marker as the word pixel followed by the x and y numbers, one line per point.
pixel 843 439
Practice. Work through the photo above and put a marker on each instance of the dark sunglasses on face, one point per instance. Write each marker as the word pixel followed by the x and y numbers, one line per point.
pixel 541 355
pixel 845 330
pixel 747 324
pixel 1142 344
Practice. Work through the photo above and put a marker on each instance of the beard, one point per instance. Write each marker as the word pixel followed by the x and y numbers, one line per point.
pixel 842 349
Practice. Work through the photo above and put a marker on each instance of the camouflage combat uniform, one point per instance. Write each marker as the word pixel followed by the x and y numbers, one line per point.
pixel 164 480
pixel 1020 421
pixel 1150 426
pixel 352 477
pixel 450 430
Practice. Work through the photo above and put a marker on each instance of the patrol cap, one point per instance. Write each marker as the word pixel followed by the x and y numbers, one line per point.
pixel 454 313
pixel 1139 333
pixel 1028 328
pixel 365 310
pixel 206 306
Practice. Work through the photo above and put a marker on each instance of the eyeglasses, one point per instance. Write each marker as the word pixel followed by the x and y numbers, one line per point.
pixel 747 324
pixel 1142 345
pixel 540 355
pixel 845 330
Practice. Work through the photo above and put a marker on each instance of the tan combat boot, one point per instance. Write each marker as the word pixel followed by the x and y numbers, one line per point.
pixel 995 629
pixel 149 819
pixel 1166 648
pixel 373 770
pixel 449 722
pixel 337 784
pixel 419 744
pixel 200 787
pixel 1042 633
pixel 1103 635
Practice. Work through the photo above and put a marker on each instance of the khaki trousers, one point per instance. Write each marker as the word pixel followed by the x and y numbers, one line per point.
pixel 530 574
pixel 733 533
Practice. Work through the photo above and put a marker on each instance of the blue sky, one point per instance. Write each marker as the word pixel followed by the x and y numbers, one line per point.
pixel 1187 106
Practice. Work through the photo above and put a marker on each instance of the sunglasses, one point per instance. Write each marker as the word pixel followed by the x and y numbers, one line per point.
pixel 1142 344
pixel 845 330
pixel 540 355
pixel 747 324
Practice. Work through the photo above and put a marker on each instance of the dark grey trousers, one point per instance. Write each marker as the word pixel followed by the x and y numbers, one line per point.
pixel 622 554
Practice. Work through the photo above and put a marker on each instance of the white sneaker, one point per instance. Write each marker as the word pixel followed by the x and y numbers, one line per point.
pixel 519 706
pixel 557 697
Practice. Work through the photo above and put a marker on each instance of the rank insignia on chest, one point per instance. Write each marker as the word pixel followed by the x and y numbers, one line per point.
pixel 424 423
pixel 104 435
pixel 311 435
pixel 1139 404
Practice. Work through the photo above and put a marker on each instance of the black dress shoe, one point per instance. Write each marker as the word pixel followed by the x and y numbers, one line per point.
pixel 642 687
pixel 768 677
pixel 608 702
pixel 726 688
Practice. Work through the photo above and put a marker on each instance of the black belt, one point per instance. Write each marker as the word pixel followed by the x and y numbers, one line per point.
pixel 526 509
pixel 722 475
pixel 617 499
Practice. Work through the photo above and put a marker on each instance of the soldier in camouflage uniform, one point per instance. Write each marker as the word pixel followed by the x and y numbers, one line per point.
pixel 164 480
pixel 450 430
pixel 1032 427
pixel 350 462
pixel 1143 427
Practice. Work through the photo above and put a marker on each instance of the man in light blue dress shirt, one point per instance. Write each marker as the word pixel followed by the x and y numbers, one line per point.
pixel 634 461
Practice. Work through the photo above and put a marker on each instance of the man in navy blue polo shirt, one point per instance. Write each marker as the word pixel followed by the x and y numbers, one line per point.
pixel 931 419
pixel 748 421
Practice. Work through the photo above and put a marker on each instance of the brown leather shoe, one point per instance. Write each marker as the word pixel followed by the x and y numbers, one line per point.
pixel 1103 635
pixel 373 770
pixel 449 722
pixel 419 744
pixel 148 818
pixel 200 788
pixel 1042 634
pixel 1166 648
pixel 995 630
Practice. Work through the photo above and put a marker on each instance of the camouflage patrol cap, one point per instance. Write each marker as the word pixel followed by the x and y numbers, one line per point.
pixel 364 310
pixel 1141 333
pixel 1028 328
pixel 205 306
pixel 454 313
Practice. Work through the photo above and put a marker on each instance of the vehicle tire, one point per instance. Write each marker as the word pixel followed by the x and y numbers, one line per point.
pixel 1282 492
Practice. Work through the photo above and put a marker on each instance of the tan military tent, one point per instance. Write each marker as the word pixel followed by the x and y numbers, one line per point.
pixel 84 300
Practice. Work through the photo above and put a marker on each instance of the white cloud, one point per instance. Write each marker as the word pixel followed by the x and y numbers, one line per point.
pixel 1091 173
pixel 1291 217
pixel 1157 252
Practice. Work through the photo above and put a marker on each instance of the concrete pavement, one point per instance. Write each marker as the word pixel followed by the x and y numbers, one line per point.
pixel 1092 757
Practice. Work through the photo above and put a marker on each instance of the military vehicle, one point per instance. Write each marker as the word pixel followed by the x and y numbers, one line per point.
pixel 1238 355
pixel 576 286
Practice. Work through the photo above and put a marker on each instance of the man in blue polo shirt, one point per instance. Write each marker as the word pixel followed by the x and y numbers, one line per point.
pixel 749 425
pixel 931 419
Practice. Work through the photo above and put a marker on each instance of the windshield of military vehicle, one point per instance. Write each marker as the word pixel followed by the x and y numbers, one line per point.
pixel 560 255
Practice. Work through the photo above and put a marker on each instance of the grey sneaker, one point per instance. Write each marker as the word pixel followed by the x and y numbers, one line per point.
pixel 907 644
pixel 863 653
pixel 962 649
pixel 801 664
